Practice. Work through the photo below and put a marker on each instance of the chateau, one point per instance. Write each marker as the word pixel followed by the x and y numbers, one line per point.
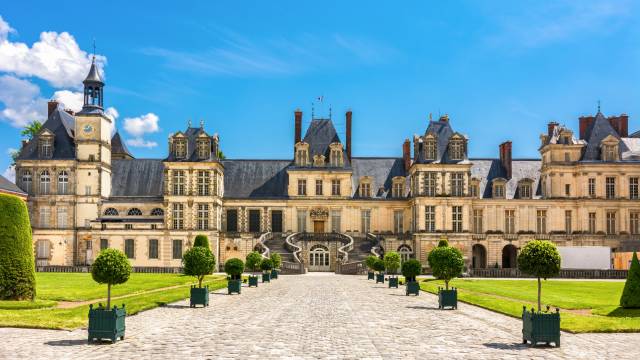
pixel 87 192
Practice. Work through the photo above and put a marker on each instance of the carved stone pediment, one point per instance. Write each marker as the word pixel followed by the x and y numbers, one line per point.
pixel 319 214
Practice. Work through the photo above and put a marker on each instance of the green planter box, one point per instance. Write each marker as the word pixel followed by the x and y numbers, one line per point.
pixel 393 282
pixel 199 296
pixel 233 286
pixel 370 275
pixel 253 281
pixel 413 287
pixel 106 324
pixel 540 327
pixel 379 278
pixel 266 277
pixel 274 274
pixel 447 298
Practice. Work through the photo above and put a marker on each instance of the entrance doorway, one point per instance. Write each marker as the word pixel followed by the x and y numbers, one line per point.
pixel 319 258
pixel 479 258
pixel 318 226
pixel 509 256
pixel 276 221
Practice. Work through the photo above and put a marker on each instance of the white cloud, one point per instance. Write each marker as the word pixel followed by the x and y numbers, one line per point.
pixel 140 125
pixel 22 101
pixel 5 29
pixel 140 142
pixel 10 173
pixel 69 99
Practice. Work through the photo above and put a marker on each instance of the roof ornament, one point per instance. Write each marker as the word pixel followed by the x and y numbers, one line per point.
pixel 430 117
pixel 329 112
pixel 189 123
pixel 312 111
pixel 598 105
pixel 94 49
pixel 201 123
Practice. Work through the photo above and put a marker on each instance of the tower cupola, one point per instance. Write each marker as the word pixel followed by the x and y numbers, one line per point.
pixel 93 85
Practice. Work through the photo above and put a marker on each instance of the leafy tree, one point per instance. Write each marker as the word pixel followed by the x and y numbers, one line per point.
pixel 111 267
pixel 266 265
pixel 17 267
pixel 14 156
pixel 201 240
pixel 447 263
pixel 410 269
pixel 539 258
pixel 198 262
pixel 631 293
pixel 392 261
pixel 31 130
pixel 221 155
pixel 253 260
pixel 234 267
pixel 378 265
pixel 276 259
pixel 370 260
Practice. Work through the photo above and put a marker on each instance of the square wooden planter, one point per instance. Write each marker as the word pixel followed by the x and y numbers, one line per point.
pixel 413 287
pixel 447 298
pixel 266 277
pixel 370 275
pixel 380 278
pixel 540 327
pixel 253 281
pixel 234 286
pixel 106 324
pixel 274 274
pixel 199 296
pixel 393 282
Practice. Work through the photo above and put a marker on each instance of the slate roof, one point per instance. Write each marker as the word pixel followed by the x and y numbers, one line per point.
pixel 488 169
pixel 555 137
pixel 630 148
pixel 137 178
pixel 93 75
pixel 442 130
pixel 9 187
pixel 255 178
pixel 320 134
pixel 62 125
pixel 382 170
pixel 599 129
pixel 118 146
pixel 192 155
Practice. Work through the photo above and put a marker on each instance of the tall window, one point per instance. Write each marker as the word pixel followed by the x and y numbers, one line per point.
pixel 181 148
pixel 63 183
pixel 430 218
pixel 473 190
pixel 27 181
pixel 398 190
pixel 509 221
pixel 46 147
pixel 633 188
pixel 335 187
pixel 254 221
pixel 456 218
pixel 365 221
pixel 634 223
pixel 567 190
pixel 335 220
pixel 567 221
pixel 457 184
pixel 62 217
pixel 477 221
pixel 398 221
pixel 178 216
pixel 498 191
pixel 203 182
pixel 525 190
pixel 129 248
pixel 592 223
pixel 611 222
pixel 302 187
pixel 179 181
pixel 609 152
pixel 610 186
pixel 430 179
pixel 104 244
pixel 45 216
pixel 45 182
pixel 43 249
pixel 592 187
pixel 203 216
pixel 319 187
pixel 336 157
pixel 232 220
pixel 177 249
pixel 203 149
pixel 302 220
pixel 456 149
pixel 301 157
pixel 430 149
pixel 153 249
pixel 541 221
pixel 365 190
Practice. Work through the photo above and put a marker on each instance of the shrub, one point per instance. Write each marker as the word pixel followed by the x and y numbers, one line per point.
pixel 253 261
pixel 234 267
pixel 370 260
pixel 266 264
pixel 378 265
pixel 201 240
pixel 111 267
pixel 276 260
pixel 446 263
pixel 17 268
pixel 541 259
pixel 631 293
pixel 410 269
pixel 198 262
pixel 443 243
pixel 392 262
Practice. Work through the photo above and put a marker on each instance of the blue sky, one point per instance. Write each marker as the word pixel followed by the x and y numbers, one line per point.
pixel 500 69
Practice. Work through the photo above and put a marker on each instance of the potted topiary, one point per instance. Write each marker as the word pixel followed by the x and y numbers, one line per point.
pixel 201 240
pixel 392 263
pixel 266 265
pixel 253 263
pixel 369 261
pixel 446 263
pixel 410 269
pixel 541 259
pixel 378 266
pixel 234 267
pixel 198 262
pixel 630 298
pixel 111 267
pixel 277 261
pixel 17 261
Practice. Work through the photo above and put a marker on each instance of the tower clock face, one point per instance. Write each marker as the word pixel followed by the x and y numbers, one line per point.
pixel 87 129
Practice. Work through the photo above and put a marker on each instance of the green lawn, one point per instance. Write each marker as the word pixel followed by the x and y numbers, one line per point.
pixel 80 287
pixel 586 306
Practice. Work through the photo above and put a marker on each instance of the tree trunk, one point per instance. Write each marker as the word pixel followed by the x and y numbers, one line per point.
pixel 108 296
pixel 446 284
pixel 539 293
pixel 200 281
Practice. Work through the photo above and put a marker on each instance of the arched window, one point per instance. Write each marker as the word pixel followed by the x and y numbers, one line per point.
pixel 319 257
pixel 157 212
pixel 111 212
pixel 27 180
pixel 134 212
pixel 45 182
pixel 405 252
pixel 63 182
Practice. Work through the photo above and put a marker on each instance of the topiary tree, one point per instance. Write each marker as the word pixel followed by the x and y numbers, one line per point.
pixel 392 262
pixel 266 265
pixel 111 267
pixel 378 265
pixel 539 258
pixel 253 260
pixel 446 263
pixel 17 267
pixel 276 259
pixel 370 260
pixel 234 267
pixel 631 293
pixel 410 269
pixel 198 262
pixel 201 240
pixel 443 243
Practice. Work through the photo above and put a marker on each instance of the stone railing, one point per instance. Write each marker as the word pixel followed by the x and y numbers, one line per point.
pixel 564 274
pixel 290 245
pixel 353 268
pixel 261 240
pixel 344 250
pixel 291 268
pixel 375 249
pixel 86 269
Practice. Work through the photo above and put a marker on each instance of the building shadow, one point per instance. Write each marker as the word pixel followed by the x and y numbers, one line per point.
pixel 75 342
pixel 422 307
pixel 512 346
pixel 175 306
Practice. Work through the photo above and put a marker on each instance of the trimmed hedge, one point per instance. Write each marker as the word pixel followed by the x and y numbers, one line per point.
pixel 111 267
pixel 253 261
pixel 276 259
pixel 234 268
pixel 198 262
pixel 266 264
pixel 411 268
pixel 201 240
pixel 392 262
pixel 631 293
pixel 17 262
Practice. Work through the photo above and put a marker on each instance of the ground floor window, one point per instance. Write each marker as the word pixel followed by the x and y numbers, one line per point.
pixel 634 223
pixel 276 221
pixel 398 222
pixel 366 221
pixel 254 221
pixel 335 220
pixel 405 252
pixel 153 249
pixel 319 256
pixel 129 248
pixel 302 220
pixel 43 249
pixel 104 244
pixel 232 220
pixel 611 222
pixel 177 249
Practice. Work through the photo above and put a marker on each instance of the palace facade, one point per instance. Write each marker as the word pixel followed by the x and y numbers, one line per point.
pixel 87 192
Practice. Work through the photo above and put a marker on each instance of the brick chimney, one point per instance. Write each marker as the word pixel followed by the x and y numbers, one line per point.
pixel 348 130
pixel 620 124
pixel 70 112
pixel 406 154
pixel 52 106
pixel 298 126
pixel 552 125
pixel 585 124
pixel 505 157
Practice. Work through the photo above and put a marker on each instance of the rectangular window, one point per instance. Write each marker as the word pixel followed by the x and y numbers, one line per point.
pixel 509 221
pixel 634 223
pixel 335 187
pixel 203 183
pixel 525 191
pixel 203 216
pixel 398 190
pixel 541 221
pixel 153 249
pixel 104 244
pixel 129 248
pixel 477 221
pixel 430 179
pixel 365 221
pixel 611 222
pixel 567 221
pixel 254 221
pixel 302 220
pixel 592 187
pixel 456 218
pixel 457 184
pixel 335 221
pixel 232 220
pixel 62 217
pixel 178 216
pixel 318 187
pixel 87 190
pixel 633 188
pixel 498 191
pixel 128 226
pixel 473 190
pixel 610 187
pixel 179 181
pixel 398 221
pixel 177 249
pixel 567 190
pixel 276 221
pixel 430 218
pixel 592 223
pixel 365 190
pixel 45 216
pixel 43 250
pixel 302 187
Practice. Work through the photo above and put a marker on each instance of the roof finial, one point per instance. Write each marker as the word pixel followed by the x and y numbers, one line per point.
pixel 189 123
pixel 201 123
pixel 598 105
pixel 329 112
pixel 94 49
pixel 312 111
pixel 430 117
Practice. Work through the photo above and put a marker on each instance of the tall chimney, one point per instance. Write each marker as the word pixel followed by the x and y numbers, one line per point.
pixel 406 154
pixel 505 157
pixel 348 117
pixel 585 124
pixel 52 106
pixel 552 125
pixel 298 126
pixel 620 124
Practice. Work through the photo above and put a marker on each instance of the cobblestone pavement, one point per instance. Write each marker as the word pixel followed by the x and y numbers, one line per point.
pixel 316 316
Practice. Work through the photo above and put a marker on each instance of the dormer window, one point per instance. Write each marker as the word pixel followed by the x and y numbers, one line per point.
pixel 609 152
pixel 203 149
pixel 335 157
pixel 180 148
pixel 302 154
pixel 524 189
pixel 474 188
pixel 499 188
pixel 365 187
pixel 398 187
pixel 45 146
pixel 456 149
pixel 430 149
pixel 318 160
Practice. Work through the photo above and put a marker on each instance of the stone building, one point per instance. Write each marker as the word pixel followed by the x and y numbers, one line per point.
pixel 86 192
